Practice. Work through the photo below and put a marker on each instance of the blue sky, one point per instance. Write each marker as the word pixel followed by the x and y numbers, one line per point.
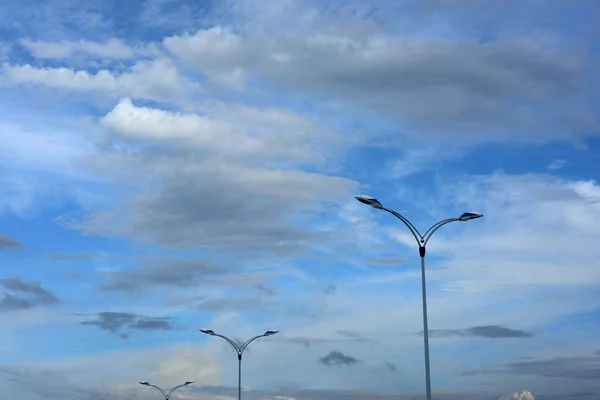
pixel 167 166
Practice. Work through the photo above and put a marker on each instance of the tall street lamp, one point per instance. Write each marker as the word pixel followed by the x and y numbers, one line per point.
pixel 421 242
pixel 239 350
pixel 164 392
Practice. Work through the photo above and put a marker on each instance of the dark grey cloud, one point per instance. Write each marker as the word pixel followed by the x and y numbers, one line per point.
pixel 333 394
pixel 390 366
pixel 47 384
pixel 117 322
pixel 256 302
pixel 440 87
pixel 266 290
pixel 354 336
pixel 165 272
pixel 559 367
pixel 347 336
pixel 7 242
pixel 487 331
pixel 306 341
pixel 21 295
pixel 337 358
pixel 330 289
pixel 235 206
pixel 579 368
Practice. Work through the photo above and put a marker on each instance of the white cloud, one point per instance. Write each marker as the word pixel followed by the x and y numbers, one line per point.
pixel 436 87
pixel 117 372
pixel 215 49
pixel 524 395
pixel 537 230
pixel 112 48
pixel 158 79
pixel 229 130
pixel 556 164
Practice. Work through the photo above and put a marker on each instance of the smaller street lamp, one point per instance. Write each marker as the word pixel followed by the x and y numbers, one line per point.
pixel 164 392
pixel 239 350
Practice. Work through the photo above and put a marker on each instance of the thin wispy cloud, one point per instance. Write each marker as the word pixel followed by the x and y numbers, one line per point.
pixel 487 331
pixel 24 295
pixel 7 242
pixel 117 322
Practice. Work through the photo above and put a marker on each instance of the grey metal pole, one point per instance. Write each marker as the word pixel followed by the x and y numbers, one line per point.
pixel 239 376
pixel 425 328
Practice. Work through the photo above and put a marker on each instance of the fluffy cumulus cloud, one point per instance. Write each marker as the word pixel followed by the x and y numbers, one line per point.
pixel 167 166
pixel 524 395
pixel 112 48
pixel 439 86
pixel 157 79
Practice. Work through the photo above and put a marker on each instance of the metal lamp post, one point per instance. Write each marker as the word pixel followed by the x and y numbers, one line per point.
pixel 421 242
pixel 164 392
pixel 239 350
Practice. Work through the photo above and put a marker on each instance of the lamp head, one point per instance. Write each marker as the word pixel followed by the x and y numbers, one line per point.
pixel 188 383
pixel 208 332
pixel 144 383
pixel 368 200
pixel 269 333
pixel 467 216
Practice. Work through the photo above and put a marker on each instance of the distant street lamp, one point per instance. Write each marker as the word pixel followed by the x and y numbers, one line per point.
pixel 421 242
pixel 239 350
pixel 164 392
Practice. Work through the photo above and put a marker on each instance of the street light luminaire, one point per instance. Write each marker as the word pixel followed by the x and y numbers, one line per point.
pixel 422 240
pixel 166 393
pixel 368 200
pixel 239 348
pixel 467 216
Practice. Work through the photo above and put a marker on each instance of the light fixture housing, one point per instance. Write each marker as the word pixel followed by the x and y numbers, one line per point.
pixel 467 216
pixel 208 332
pixel 269 333
pixel 368 200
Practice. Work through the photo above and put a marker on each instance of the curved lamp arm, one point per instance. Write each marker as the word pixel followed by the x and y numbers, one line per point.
pixel 409 225
pixel 175 388
pixel 435 227
pixel 159 389
pixel 231 342
pixel 249 341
